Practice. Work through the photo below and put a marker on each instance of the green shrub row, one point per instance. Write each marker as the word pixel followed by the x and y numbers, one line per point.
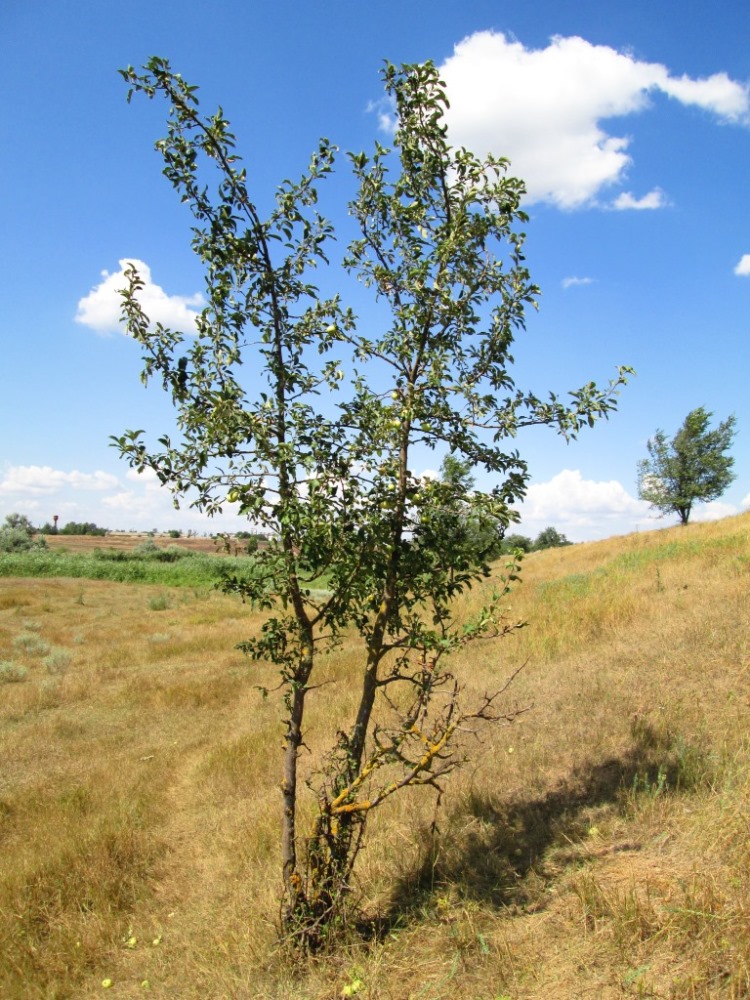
pixel 164 566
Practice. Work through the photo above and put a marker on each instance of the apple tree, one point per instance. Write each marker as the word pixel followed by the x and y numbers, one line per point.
pixel 308 418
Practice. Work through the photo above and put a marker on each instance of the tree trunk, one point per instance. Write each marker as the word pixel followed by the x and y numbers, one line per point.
pixel 293 886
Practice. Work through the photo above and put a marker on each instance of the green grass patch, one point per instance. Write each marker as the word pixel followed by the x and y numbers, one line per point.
pixel 166 567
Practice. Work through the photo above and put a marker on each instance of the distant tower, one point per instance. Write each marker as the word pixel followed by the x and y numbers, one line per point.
pixel 55 519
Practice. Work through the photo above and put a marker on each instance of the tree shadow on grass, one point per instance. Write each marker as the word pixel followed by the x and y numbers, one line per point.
pixel 489 846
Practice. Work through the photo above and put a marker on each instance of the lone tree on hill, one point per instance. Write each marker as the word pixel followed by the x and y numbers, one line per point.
pixel 550 538
pixel 308 421
pixel 692 467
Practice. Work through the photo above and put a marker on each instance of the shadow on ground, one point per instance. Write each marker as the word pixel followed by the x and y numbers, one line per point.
pixel 487 848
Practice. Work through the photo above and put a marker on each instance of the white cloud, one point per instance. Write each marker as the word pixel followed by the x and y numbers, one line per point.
pixel 584 509
pixel 713 511
pixel 42 480
pixel 580 508
pixel 745 501
pixel 743 268
pixel 544 109
pixel 146 478
pixel 133 501
pixel 654 199
pixel 101 309
pixel 725 98
pixel 385 110
pixel 572 282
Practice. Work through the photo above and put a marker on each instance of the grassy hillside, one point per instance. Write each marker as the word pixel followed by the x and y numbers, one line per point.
pixel 599 847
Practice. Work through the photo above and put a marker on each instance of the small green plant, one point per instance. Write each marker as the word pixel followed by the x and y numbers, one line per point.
pixel 643 784
pixel 159 602
pixel 57 662
pixel 30 644
pixel 12 673
pixel 354 986
pixel 160 637
pixel 147 548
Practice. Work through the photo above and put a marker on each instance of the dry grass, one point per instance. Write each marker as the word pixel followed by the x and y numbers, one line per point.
pixel 126 541
pixel 598 848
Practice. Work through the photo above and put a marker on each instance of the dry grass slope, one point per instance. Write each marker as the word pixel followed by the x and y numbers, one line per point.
pixel 598 848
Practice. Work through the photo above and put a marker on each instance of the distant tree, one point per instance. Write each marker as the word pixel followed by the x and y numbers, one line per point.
pixel 462 513
pixel 17 534
pixel 692 467
pixel 82 528
pixel 550 538
pixel 317 446
pixel 512 542
pixel 21 522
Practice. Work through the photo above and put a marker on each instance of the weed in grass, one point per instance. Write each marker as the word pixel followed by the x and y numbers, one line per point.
pixel 30 644
pixel 12 673
pixel 57 662
pixel 651 788
pixel 159 602
pixel 160 637
pixel 628 913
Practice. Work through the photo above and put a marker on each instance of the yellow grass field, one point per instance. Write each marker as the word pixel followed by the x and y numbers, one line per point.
pixel 128 540
pixel 597 848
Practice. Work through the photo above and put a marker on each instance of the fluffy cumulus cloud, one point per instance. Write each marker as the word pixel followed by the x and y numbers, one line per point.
pixel 573 282
pixel 743 267
pixel 713 511
pixel 101 309
pixel 42 480
pixel 127 502
pixel 581 508
pixel 586 509
pixel 547 109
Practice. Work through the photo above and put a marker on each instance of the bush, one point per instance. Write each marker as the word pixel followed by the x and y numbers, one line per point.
pixel 550 538
pixel 15 540
pixel 513 542
pixel 160 602
pixel 30 644
pixel 17 534
pixel 58 661
pixel 11 672
pixel 20 521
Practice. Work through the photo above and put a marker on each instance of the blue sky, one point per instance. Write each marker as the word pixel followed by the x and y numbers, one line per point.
pixel 630 124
